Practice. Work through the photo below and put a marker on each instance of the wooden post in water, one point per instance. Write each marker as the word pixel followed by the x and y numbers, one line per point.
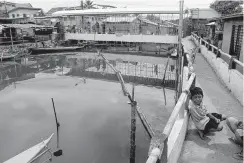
pixel 133 127
pixel 35 38
pixel 179 51
pixel 11 37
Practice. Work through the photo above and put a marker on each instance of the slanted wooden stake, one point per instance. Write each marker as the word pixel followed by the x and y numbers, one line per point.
pixel 133 128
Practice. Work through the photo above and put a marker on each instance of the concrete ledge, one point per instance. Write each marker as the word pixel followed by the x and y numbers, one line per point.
pixel 177 135
pixel 177 138
pixel 231 78
pixel 168 39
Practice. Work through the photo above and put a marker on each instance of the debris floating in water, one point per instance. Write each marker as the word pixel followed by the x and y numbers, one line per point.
pixel 84 81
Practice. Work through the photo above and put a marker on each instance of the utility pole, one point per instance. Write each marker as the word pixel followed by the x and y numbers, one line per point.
pixel 6 10
pixel 179 64
pixel 82 17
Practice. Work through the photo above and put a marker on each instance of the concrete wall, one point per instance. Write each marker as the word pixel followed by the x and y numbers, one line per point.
pixel 177 138
pixel 241 55
pixel 178 132
pixel 29 13
pixel 127 78
pixel 232 78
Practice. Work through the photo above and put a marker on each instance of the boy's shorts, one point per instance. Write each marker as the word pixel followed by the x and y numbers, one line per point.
pixel 212 124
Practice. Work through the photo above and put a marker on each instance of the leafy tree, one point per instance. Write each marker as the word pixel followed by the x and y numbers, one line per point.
pixel 88 4
pixel 227 7
pixel 82 4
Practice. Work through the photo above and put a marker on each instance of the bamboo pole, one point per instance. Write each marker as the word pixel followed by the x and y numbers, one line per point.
pixel 142 117
pixel 133 128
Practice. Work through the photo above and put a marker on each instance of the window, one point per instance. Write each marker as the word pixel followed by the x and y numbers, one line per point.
pixel 236 40
pixel 70 18
pixel 24 15
pixel 34 15
pixel 17 15
pixel 13 16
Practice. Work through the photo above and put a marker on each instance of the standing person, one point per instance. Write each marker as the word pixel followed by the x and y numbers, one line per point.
pixel 236 127
pixel 156 69
pixel 204 121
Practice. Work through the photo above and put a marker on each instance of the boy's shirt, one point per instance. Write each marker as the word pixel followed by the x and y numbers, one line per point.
pixel 198 115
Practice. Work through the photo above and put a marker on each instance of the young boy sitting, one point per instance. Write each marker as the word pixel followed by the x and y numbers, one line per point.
pixel 205 122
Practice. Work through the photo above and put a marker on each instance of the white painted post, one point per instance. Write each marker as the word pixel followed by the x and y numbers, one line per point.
pixel 154 156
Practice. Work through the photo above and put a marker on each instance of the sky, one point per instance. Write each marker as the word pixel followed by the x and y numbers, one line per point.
pixel 48 4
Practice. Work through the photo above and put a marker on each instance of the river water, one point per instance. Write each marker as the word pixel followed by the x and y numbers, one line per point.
pixel 94 116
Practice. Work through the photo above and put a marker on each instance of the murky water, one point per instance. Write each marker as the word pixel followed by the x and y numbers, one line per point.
pixel 94 116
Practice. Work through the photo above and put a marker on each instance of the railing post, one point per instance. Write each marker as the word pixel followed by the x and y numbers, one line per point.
pixel 212 49
pixel 232 64
pixel 218 53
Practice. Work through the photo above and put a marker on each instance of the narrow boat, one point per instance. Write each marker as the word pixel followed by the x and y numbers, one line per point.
pixel 31 154
pixel 35 51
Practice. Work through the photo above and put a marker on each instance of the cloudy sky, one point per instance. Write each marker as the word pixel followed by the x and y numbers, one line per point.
pixel 48 4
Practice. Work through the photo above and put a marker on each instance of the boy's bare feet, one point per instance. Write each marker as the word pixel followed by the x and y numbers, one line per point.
pixel 201 134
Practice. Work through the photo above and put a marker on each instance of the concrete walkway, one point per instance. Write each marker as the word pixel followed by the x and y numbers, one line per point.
pixel 216 148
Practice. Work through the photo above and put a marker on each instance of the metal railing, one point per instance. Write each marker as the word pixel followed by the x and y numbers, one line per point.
pixel 236 64
pixel 131 71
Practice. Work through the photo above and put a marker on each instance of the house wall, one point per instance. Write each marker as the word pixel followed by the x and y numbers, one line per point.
pixel 73 20
pixel 122 27
pixel 227 36
pixel 88 23
pixel 134 28
pixel 241 55
pixel 21 12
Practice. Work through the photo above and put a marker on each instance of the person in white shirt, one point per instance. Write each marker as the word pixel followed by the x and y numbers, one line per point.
pixel 204 121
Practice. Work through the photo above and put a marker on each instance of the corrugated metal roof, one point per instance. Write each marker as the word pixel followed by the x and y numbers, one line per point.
pixel 27 8
pixel 237 15
pixel 207 13
pixel 55 9
pixel 117 11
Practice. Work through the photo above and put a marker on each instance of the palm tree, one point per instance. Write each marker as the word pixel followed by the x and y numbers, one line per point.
pixel 88 4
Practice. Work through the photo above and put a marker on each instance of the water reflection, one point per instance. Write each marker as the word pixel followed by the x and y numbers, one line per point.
pixel 86 67
pixel 94 117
